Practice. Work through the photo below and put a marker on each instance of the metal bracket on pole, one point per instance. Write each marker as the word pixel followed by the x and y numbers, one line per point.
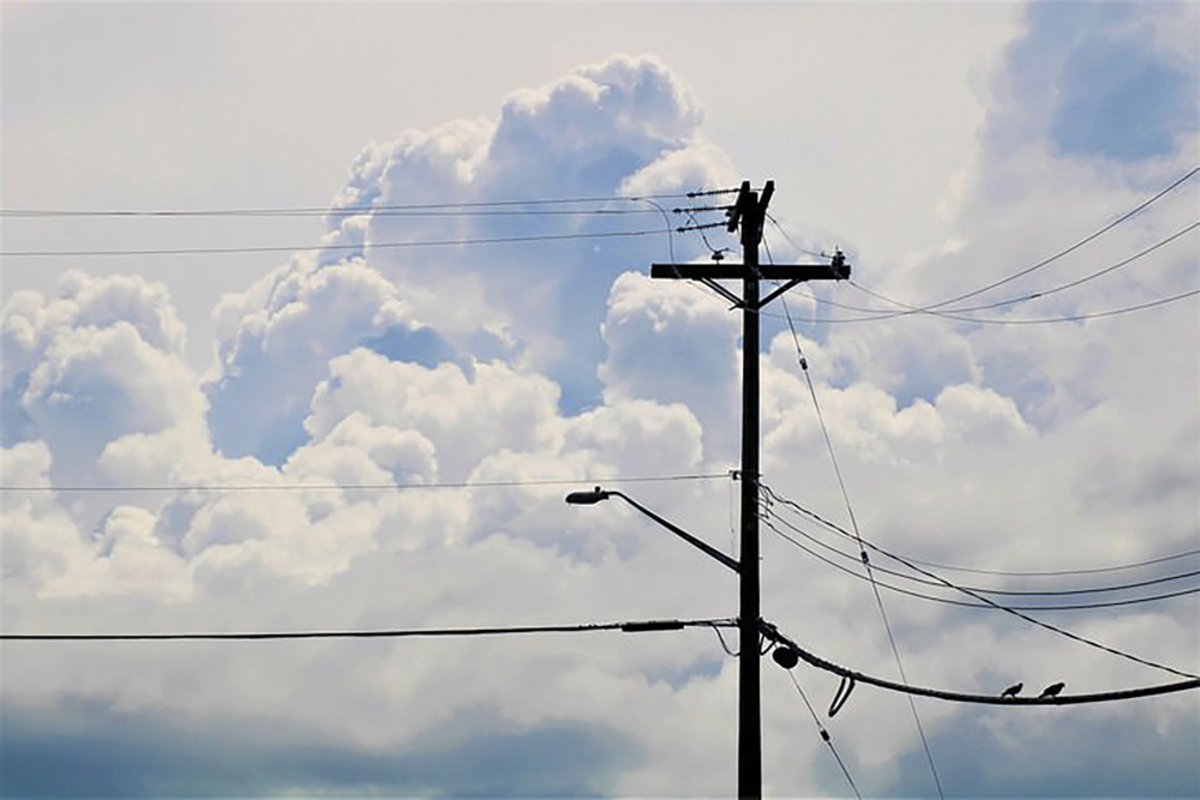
pixel 748 213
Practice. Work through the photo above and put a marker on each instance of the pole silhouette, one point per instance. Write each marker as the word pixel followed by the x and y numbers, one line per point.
pixel 748 214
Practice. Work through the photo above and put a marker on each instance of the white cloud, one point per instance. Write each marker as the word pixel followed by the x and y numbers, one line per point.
pixel 669 342
pixel 513 369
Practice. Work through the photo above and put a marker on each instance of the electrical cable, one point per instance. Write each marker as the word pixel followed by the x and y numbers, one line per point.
pixel 963 697
pixel 626 627
pixel 792 241
pixel 1072 248
pixel 962 603
pixel 326 210
pixel 825 735
pixel 1008 592
pixel 880 314
pixel 296 487
pixel 953 313
pixel 1113 312
pixel 179 251
pixel 1059 572
pixel 724 646
pixel 803 363
pixel 1007 609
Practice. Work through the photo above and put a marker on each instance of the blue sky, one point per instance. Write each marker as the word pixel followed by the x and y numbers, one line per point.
pixel 943 147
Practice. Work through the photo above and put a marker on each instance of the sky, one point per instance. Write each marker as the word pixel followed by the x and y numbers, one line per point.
pixel 319 410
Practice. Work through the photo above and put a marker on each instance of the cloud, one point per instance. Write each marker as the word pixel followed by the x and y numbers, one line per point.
pixel 625 125
pixel 464 418
pixel 89 313
pixel 101 362
pixel 96 752
pixel 660 338
pixel 308 481
pixel 1081 72
pixel 279 337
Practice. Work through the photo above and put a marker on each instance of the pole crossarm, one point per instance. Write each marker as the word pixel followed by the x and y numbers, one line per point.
pixel 746 217
pixel 794 274
pixel 770 272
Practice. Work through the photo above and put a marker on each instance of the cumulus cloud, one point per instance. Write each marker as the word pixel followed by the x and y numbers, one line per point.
pixel 619 128
pixel 1080 73
pixel 659 335
pixel 278 338
pixel 351 392
pixel 101 362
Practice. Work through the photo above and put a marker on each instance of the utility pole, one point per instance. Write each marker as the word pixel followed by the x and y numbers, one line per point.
pixel 749 213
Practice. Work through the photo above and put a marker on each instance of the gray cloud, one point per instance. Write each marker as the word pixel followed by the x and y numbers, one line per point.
pixel 83 749
pixel 1052 754
pixel 1094 79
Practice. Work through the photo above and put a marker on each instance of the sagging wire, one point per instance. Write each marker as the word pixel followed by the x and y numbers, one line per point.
pixel 803 362
pixel 724 646
pixel 796 653
pixel 984 599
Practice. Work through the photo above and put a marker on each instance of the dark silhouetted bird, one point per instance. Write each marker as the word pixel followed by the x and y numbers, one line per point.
pixel 1053 689
pixel 1013 690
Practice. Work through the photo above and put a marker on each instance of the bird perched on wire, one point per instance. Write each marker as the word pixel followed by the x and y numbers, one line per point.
pixel 1052 690
pixel 1013 690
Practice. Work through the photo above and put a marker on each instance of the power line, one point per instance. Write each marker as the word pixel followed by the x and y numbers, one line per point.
pixel 299 487
pixel 1007 609
pixel 803 363
pixel 1029 574
pixel 1007 321
pixel 416 213
pixel 1009 592
pixel 963 603
pixel 952 312
pixel 1119 220
pixel 1066 251
pixel 825 736
pixel 327 210
pixel 961 697
pixel 932 308
pixel 402 633
pixel 178 251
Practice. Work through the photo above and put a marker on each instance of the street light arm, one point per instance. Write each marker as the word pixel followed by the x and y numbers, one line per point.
pixel 680 532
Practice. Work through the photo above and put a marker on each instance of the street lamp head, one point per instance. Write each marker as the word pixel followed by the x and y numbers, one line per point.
pixel 587 498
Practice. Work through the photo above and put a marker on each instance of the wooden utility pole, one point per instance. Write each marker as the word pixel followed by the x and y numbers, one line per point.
pixel 749 213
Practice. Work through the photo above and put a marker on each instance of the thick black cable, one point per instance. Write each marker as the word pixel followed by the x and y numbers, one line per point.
pixel 963 697
pixel 385 487
pixel 960 603
pixel 1007 609
pixel 404 633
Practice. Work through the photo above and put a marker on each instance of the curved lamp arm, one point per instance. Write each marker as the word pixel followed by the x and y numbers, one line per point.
pixel 598 494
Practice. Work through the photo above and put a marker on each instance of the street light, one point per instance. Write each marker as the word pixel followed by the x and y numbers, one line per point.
pixel 598 494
